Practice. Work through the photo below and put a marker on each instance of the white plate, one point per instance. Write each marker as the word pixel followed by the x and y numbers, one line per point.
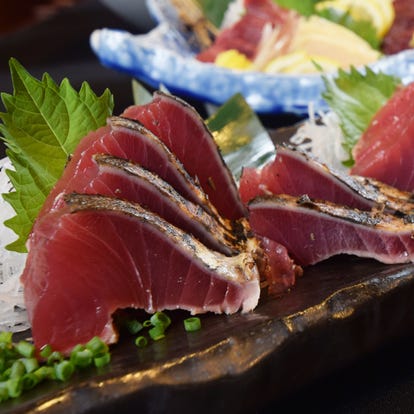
pixel 165 56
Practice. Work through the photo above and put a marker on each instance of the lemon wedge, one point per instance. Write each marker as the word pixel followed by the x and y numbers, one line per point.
pixel 233 59
pixel 380 12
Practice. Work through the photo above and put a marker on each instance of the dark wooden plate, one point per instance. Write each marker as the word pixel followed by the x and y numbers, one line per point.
pixel 338 311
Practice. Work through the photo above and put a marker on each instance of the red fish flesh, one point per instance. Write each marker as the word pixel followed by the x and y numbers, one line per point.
pixel 119 178
pixel 184 132
pixel 279 272
pixel 101 254
pixel 386 151
pixel 129 140
pixel 296 173
pixel 246 33
pixel 313 231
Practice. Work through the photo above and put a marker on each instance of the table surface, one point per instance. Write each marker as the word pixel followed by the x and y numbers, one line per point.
pixel 380 382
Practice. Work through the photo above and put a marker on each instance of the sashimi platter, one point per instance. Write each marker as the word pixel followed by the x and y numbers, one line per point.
pixel 152 255
pixel 271 51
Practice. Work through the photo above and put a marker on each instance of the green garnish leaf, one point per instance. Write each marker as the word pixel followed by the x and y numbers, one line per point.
pixel 356 97
pixel 304 7
pixel 234 124
pixel 214 10
pixel 42 125
pixel 240 135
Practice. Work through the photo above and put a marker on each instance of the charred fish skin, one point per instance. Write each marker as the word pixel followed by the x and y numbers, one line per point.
pixel 244 264
pixel 378 195
pixel 123 256
pixel 295 172
pixel 313 230
pixel 180 127
pixel 194 192
pixel 158 196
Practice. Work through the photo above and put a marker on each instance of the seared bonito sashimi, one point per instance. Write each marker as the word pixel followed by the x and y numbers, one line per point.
pixel 146 234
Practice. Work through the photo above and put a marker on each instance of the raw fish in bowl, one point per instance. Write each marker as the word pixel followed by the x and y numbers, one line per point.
pixel 275 61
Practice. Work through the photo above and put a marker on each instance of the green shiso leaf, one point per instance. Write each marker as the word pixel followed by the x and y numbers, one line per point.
pixel 214 10
pixel 304 7
pixel 41 126
pixel 356 97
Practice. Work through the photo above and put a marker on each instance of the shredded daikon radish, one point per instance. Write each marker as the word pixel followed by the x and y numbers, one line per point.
pixel 322 139
pixel 233 14
pixel 13 316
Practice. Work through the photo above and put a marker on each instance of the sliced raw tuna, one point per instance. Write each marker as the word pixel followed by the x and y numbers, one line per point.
pixel 100 254
pixel 130 140
pixel 313 231
pixel 386 149
pixel 119 178
pixel 246 33
pixel 295 173
pixel 278 271
pixel 184 132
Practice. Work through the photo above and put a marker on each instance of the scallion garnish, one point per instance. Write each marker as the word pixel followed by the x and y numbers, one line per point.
pixel 192 324
pixel 157 332
pixel 141 342
pixel 134 326
pixel 20 370
pixel 160 318
pixel 97 346
pixel 25 349
pixel 64 370
pixel 45 351
pixel 102 360
pixel 82 358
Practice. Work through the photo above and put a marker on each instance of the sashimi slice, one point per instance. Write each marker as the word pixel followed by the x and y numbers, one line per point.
pixel 120 178
pixel 246 33
pixel 184 132
pixel 386 149
pixel 296 173
pixel 98 254
pixel 129 140
pixel 313 231
pixel 279 272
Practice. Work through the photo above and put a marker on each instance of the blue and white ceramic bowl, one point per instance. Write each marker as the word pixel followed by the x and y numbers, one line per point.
pixel 165 56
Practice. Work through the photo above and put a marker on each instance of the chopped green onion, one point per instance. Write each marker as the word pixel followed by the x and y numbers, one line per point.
pixel 97 346
pixel 64 370
pixel 192 324
pixel 25 349
pixel 30 380
pixel 147 323
pixel 54 357
pixel 82 358
pixel 20 370
pixel 157 332
pixel 30 364
pixel 141 342
pixel 4 392
pixel 6 337
pixel 45 351
pixel 17 370
pixel 15 387
pixel 134 326
pixel 6 373
pixel 44 372
pixel 160 318
pixel 102 360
